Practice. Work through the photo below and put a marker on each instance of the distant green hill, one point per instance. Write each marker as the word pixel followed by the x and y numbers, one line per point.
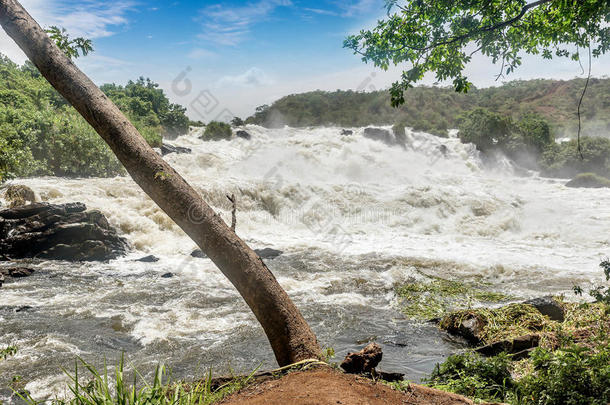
pixel 435 109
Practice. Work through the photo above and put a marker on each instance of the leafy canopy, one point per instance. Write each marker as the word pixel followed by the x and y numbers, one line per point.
pixel 73 48
pixel 442 36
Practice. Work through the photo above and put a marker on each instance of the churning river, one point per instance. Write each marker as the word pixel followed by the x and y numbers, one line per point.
pixel 354 218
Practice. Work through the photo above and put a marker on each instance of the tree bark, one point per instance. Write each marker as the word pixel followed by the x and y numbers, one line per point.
pixel 290 336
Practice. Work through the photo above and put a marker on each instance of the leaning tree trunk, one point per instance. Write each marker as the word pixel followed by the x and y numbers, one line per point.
pixel 290 336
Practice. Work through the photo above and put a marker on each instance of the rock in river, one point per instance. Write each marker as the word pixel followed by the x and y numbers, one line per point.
pixel 166 149
pixel 62 232
pixel 268 253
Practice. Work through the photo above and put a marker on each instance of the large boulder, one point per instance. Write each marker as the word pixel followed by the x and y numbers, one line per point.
pixel 62 232
pixel 381 135
pixel 166 149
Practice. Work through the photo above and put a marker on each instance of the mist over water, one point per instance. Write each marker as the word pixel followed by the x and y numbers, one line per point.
pixel 354 216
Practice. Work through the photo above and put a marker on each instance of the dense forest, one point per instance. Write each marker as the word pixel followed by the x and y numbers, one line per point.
pixel 435 109
pixel 41 134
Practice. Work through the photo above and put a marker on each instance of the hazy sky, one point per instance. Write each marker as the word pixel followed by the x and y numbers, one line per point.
pixel 225 58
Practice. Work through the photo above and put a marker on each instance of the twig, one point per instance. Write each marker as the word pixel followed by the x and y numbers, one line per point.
pixel 233 211
pixel 582 96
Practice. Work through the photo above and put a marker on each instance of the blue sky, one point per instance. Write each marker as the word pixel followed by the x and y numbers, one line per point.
pixel 223 58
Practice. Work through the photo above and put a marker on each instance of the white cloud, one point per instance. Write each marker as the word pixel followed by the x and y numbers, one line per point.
pixel 253 77
pixel 91 19
pixel 199 53
pixel 320 11
pixel 360 7
pixel 227 25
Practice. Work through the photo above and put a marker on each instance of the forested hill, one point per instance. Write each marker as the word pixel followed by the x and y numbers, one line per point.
pixel 435 109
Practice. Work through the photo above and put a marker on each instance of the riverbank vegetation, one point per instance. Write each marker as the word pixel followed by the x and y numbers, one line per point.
pixel 569 365
pixel 41 134
pixel 435 109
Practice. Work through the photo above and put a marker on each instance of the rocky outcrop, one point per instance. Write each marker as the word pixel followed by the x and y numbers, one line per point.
pixel 166 149
pixel 243 134
pixel 381 135
pixel 62 232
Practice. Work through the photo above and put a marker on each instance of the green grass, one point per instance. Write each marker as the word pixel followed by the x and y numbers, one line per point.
pixel 424 300
pixel 96 388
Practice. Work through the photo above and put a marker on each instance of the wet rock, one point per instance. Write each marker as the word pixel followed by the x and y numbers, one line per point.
pixel 1 279
pixel 148 259
pixel 268 253
pixel 18 195
pixel 166 149
pixel 363 361
pixel 469 327
pixel 549 307
pixel 380 134
pixel 167 275
pixel 16 272
pixel 61 232
pixel 347 132
pixel 23 308
pixel 198 253
pixel 517 345
pixel 243 134
pixel 389 377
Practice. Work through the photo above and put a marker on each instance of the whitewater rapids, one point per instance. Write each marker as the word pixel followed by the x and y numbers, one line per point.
pixel 354 216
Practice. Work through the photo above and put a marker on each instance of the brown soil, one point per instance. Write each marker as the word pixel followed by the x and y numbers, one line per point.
pixel 327 386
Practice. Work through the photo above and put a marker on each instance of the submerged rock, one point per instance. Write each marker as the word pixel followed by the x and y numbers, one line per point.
pixel 167 275
pixel 148 259
pixel 380 134
pixel 62 232
pixel 166 149
pixel 346 132
pixel 243 134
pixel 363 361
pixel 198 253
pixel 268 253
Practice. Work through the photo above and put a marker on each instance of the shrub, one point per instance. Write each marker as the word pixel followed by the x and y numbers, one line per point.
pixel 216 131
pixel 485 129
pixel 569 376
pixel 564 160
pixel 475 376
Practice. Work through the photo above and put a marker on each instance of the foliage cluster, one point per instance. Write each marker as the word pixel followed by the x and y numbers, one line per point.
pixel 41 134
pixel 216 131
pixel 442 36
